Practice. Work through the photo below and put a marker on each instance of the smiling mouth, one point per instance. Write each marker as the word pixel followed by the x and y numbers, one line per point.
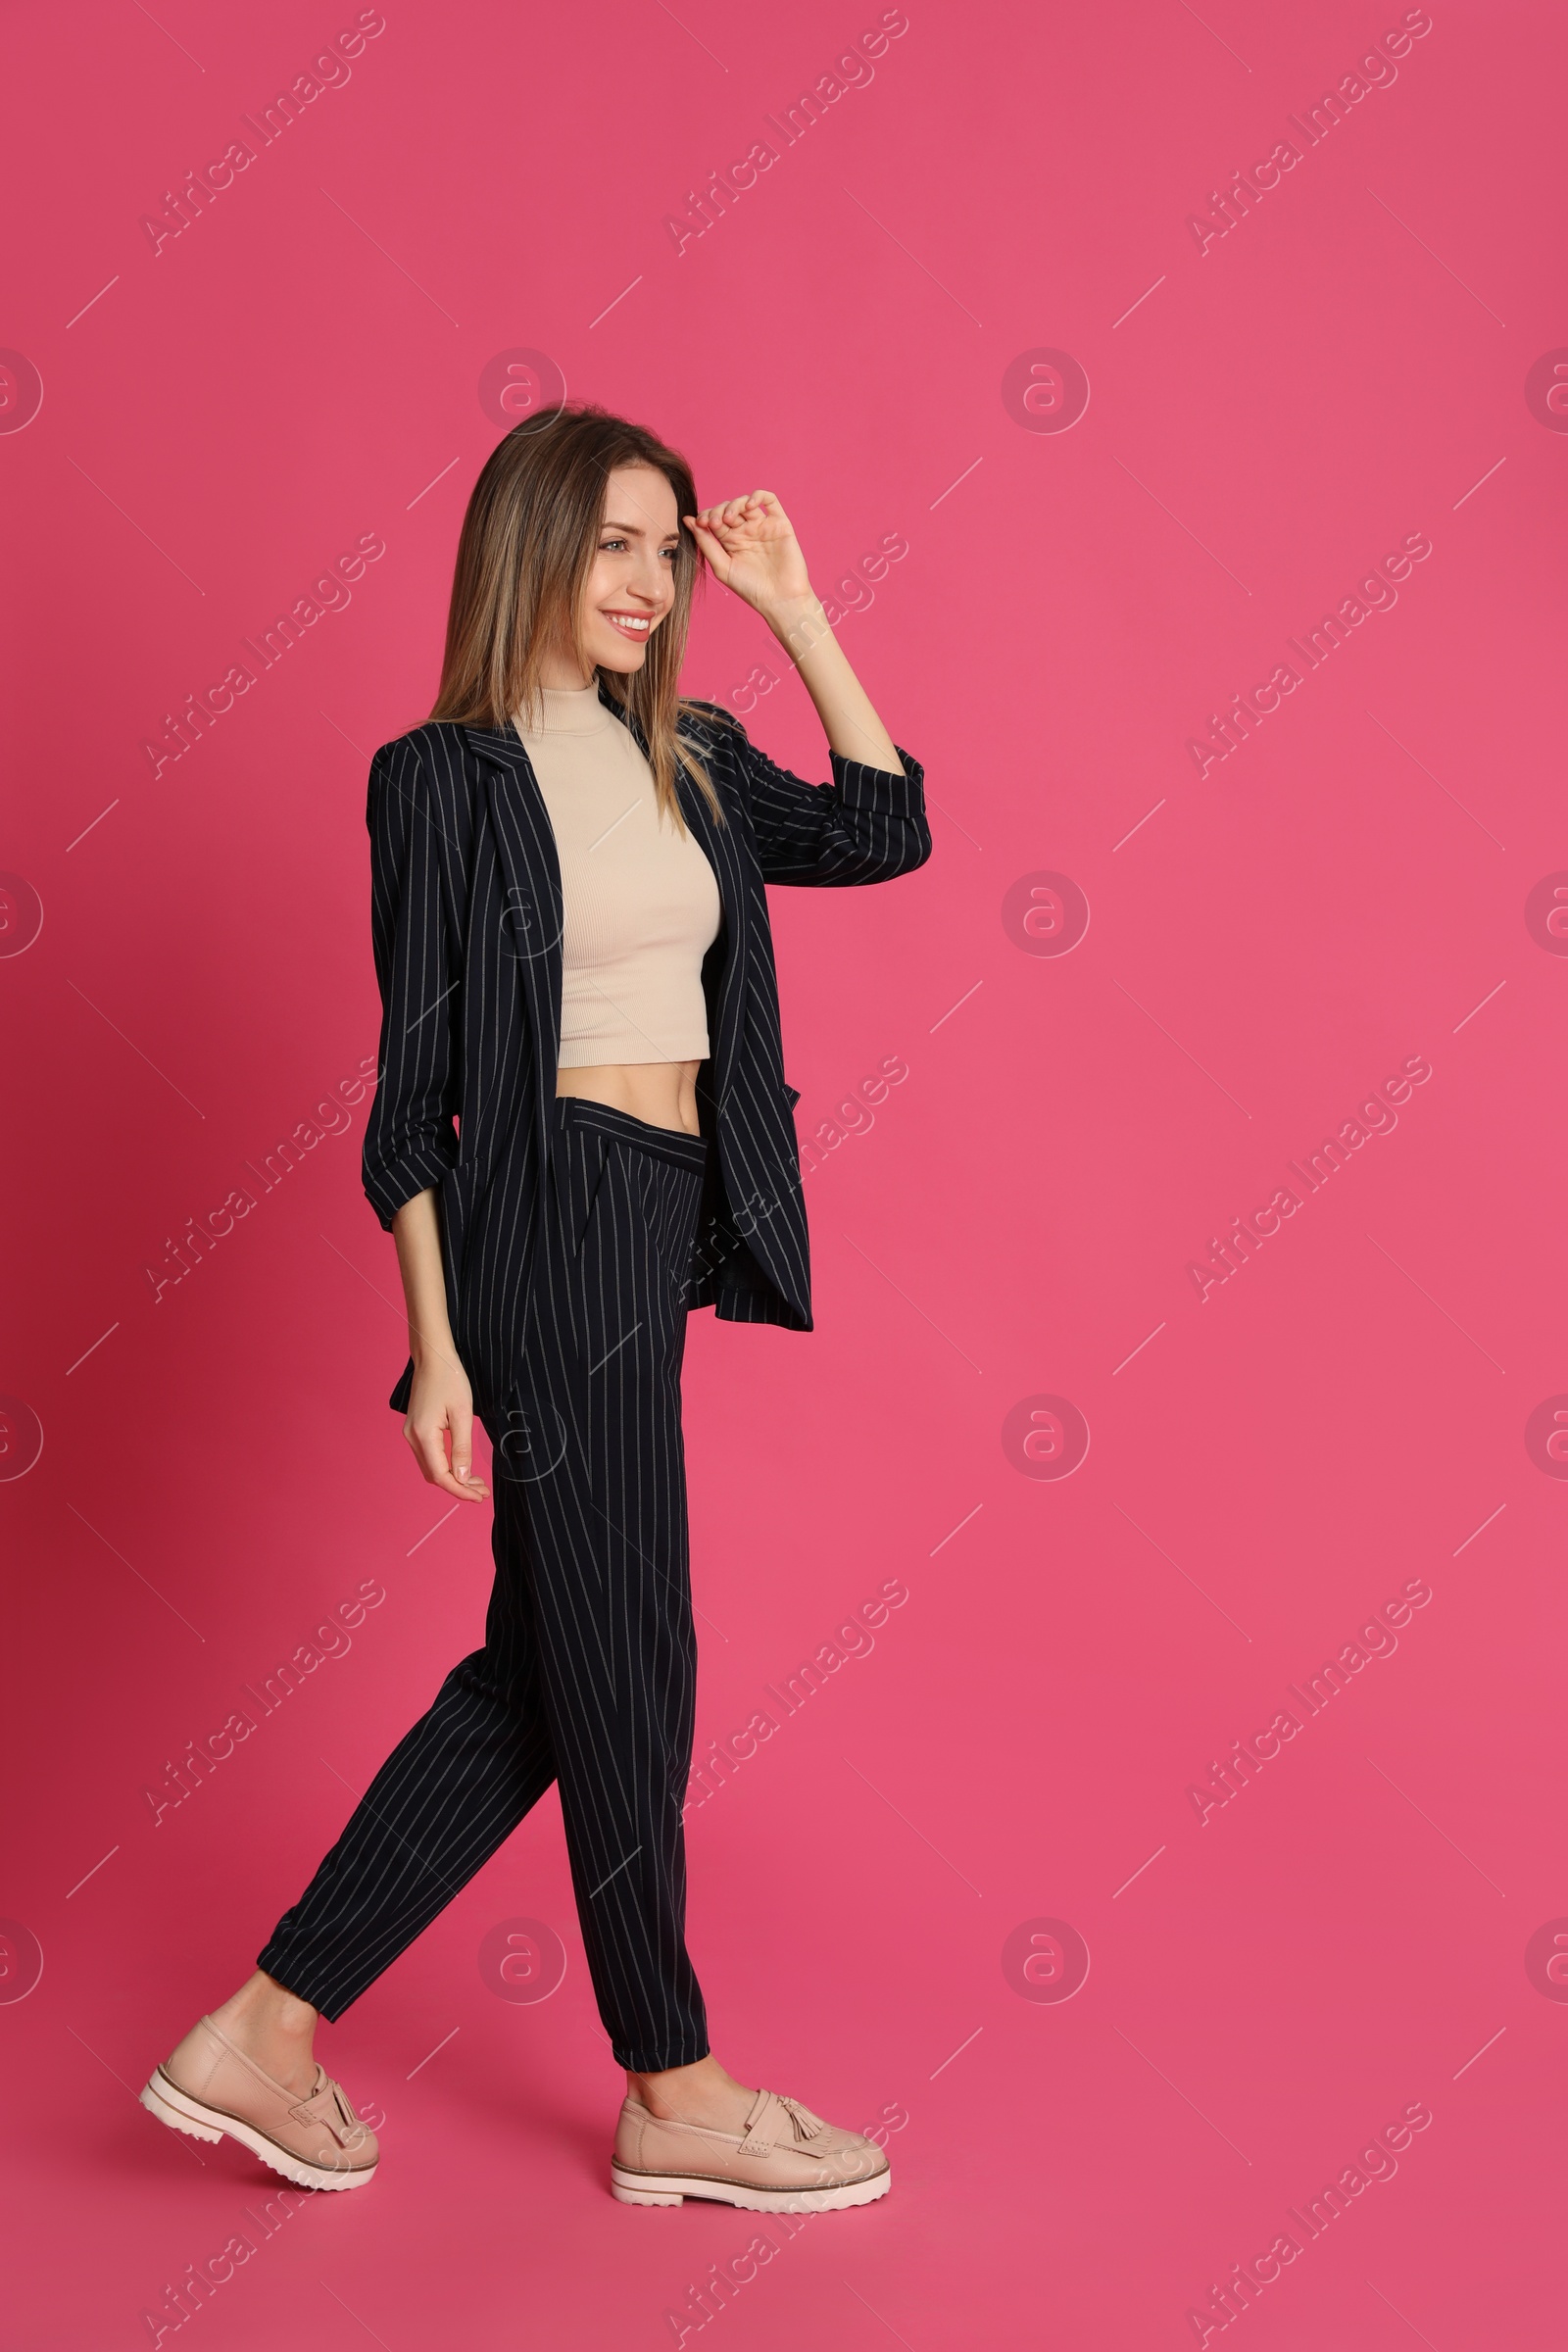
pixel 636 625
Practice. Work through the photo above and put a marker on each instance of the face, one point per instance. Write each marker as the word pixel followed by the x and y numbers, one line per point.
pixel 631 586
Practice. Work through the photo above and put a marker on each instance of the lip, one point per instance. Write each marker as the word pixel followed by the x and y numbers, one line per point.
pixel 649 622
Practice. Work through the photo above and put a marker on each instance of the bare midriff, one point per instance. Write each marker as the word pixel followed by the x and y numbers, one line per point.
pixel 661 1094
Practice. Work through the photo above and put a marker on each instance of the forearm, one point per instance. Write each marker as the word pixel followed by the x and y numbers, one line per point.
pixel 849 718
pixel 416 1231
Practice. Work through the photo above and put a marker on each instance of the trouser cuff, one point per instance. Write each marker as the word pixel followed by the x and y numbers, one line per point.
pixel 282 1971
pixel 651 2061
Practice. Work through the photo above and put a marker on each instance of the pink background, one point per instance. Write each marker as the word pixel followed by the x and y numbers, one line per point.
pixel 1267 1466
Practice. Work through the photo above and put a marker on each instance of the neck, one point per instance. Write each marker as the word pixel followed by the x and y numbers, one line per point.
pixel 564 710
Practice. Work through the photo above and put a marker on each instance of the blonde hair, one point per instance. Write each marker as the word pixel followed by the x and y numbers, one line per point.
pixel 525 554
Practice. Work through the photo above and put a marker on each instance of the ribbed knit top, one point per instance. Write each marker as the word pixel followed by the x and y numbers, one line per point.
pixel 639 900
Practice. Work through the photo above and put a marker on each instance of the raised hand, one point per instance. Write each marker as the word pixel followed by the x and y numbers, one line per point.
pixel 750 546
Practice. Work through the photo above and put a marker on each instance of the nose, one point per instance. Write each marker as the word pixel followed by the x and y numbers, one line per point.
pixel 649 583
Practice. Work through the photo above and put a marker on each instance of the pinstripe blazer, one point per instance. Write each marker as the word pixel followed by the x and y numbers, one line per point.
pixel 466 927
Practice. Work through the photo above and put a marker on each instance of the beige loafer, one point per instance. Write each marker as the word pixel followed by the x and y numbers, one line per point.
pixel 209 2087
pixel 784 2160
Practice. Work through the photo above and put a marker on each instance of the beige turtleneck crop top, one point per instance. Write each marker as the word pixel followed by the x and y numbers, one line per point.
pixel 641 903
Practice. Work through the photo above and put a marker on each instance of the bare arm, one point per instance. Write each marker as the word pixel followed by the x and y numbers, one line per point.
pixel 441 1403
pixel 753 549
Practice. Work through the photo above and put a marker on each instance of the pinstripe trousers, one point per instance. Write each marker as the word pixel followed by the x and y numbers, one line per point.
pixel 587 1676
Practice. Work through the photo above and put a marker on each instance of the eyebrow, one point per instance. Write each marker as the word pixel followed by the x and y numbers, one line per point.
pixel 633 530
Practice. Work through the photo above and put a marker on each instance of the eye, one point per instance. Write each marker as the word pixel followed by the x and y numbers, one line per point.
pixel 606 545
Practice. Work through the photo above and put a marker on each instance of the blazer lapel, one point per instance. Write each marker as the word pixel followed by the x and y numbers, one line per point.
pixel 530 869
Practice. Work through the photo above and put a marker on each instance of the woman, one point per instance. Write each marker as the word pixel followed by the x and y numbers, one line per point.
pixel 573 945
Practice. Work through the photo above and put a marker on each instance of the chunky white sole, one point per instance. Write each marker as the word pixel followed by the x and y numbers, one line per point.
pixel 673 2188
pixel 181 2113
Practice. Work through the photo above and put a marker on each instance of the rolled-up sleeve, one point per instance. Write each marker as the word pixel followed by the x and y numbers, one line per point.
pixel 411 1139
pixel 868 825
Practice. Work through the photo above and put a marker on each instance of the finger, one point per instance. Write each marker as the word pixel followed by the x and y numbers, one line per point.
pixel 462 1456
pixel 429 1448
pixel 449 1486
